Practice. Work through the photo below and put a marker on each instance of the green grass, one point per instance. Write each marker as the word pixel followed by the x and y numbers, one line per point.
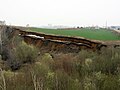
pixel 101 34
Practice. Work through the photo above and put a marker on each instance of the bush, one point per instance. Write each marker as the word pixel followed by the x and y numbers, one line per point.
pixel 26 53
pixel 111 83
pixel 23 53
pixel 108 61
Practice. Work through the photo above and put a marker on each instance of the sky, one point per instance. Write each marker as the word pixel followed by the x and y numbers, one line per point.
pixel 60 12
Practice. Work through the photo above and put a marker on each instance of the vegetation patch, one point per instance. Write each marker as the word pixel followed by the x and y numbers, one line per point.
pixel 85 70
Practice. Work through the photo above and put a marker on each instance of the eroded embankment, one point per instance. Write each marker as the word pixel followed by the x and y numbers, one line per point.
pixel 59 43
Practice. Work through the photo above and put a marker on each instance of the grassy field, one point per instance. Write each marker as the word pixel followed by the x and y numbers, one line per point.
pixel 101 34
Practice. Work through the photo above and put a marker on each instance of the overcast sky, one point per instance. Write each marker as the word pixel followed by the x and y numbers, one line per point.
pixel 60 12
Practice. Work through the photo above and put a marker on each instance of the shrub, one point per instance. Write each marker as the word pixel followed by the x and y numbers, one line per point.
pixel 64 82
pixel 108 61
pixel 26 53
pixel 23 53
pixel 111 83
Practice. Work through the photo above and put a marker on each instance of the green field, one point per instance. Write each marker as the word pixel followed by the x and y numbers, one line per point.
pixel 101 34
